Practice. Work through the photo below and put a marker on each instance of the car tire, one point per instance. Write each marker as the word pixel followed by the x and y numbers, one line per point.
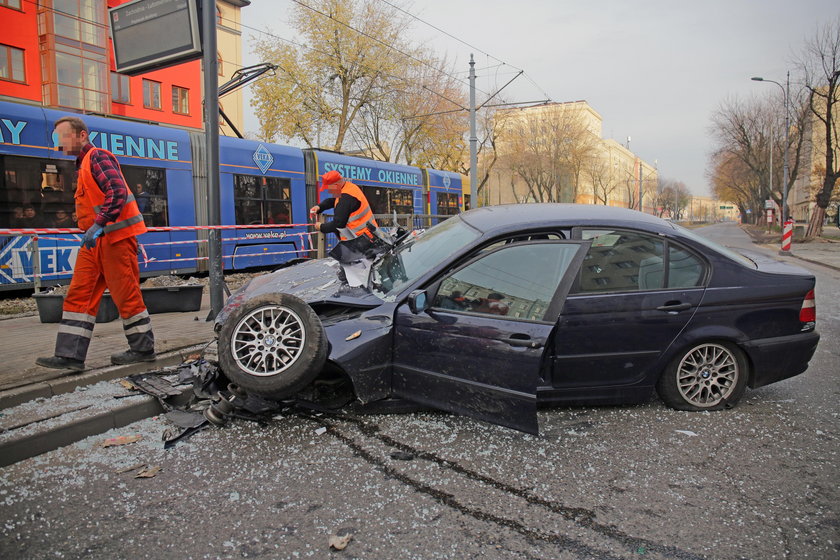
pixel 273 346
pixel 706 376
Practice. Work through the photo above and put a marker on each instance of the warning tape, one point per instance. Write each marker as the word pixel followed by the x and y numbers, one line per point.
pixel 37 231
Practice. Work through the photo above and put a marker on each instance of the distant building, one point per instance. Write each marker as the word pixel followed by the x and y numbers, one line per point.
pixel 556 150
pixel 59 54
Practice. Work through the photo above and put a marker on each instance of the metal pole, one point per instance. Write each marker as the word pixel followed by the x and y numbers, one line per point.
pixel 211 136
pixel 473 138
pixel 641 185
pixel 785 163
pixel 36 264
pixel 770 193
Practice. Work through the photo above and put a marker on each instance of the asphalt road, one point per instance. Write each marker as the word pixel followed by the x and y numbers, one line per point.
pixel 758 481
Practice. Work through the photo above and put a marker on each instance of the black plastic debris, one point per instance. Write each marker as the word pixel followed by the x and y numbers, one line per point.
pixel 156 385
pixel 402 456
pixel 185 418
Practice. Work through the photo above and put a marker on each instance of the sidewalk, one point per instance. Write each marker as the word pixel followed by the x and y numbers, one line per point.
pixel 820 251
pixel 26 338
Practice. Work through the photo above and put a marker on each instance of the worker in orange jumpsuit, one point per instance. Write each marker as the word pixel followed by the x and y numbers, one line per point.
pixel 355 225
pixel 108 213
pixel 352 217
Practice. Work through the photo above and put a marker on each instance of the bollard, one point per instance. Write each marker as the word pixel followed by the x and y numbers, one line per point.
pixel 787 236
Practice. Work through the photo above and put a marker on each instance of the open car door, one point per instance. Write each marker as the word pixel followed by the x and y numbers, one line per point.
pixel 473 341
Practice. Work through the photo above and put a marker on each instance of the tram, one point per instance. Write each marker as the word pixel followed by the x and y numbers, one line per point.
pixel 260 184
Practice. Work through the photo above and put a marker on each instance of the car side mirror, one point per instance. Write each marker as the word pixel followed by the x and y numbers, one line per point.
pixel 418 301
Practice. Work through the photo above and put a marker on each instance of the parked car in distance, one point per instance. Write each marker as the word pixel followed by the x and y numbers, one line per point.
pixel 502 308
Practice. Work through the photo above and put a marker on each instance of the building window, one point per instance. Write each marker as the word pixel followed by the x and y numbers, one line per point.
pixel 120 89
pixel 219 63
pixel 11 64
pixel 74 61
pixel 218 16
pixel 151 94
pixel 180 100
pixel 11 4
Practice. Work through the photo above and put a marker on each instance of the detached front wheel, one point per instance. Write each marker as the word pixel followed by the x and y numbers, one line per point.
pixel 273 346
pixel 708 376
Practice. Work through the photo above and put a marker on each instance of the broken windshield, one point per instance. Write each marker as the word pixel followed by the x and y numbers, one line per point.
pixel 397 269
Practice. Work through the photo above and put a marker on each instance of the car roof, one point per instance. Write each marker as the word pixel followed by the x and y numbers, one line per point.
pixel 507 217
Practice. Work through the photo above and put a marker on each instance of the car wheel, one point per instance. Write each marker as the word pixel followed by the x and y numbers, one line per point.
pixel 709 376
pixel 272 346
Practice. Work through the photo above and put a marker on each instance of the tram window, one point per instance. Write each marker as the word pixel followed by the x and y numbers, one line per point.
pixel 36 192
pixel 447 204
pixel 149 188
pixel 402 201
pixel 389 201
pixel 262 200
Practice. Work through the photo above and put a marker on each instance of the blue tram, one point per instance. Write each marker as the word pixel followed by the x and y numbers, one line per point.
pixel 261 184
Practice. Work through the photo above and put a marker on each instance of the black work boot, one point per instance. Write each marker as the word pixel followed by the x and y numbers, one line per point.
pixel 132 357
pixel 57 362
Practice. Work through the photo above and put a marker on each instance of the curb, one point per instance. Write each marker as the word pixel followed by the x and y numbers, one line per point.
pixel 26 447
pixel 68 384
pixel 812 261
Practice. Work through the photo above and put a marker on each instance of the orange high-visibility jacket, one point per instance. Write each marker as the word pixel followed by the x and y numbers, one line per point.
pixel 90 198
pixel 358 221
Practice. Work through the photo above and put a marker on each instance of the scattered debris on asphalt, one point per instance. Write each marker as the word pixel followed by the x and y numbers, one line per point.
pixel 148 473
pixel 196 394
pixel 340 542
pixel 121 440
pixel 131 468
pixel 686 432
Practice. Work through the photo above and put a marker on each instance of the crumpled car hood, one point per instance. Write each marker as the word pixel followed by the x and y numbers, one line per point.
pixel 313 281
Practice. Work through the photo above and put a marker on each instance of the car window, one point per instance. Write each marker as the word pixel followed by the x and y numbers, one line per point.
pixel 394 271
pixel 684 269
pixel 516 281
pixel 542 236
pixel 620 260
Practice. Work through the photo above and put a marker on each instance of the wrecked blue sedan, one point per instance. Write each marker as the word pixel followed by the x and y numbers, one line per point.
pixel 502 308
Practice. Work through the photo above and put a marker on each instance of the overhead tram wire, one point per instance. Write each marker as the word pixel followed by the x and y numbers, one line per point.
pixel 381 42
pixel 436 28
pixel 330 55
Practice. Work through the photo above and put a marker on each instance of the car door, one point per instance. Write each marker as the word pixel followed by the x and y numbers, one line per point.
pixel 636 292
pixel 477 349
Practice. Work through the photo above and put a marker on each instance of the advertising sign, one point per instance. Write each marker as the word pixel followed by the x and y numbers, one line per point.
pixel 153 34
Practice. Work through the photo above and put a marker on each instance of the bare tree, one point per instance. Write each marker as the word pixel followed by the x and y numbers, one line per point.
pixel 346 63
pixel 733 181
pixel 821 65
pixel 548 148
pixel 672 199
pixel 605 182
pixel 421 120
pixel 752 132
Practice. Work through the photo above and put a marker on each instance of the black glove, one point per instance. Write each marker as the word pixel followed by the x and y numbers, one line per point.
pixel 89 240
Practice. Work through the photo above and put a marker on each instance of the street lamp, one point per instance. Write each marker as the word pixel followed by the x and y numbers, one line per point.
pixel 786 92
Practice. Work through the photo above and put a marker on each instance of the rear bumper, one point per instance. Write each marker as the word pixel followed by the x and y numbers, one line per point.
pixel 774 359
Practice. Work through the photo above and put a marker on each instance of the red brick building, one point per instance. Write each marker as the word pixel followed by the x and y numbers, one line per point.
pixel 58 53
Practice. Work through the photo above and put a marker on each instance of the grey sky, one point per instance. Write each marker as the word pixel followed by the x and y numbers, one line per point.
pixel 654 69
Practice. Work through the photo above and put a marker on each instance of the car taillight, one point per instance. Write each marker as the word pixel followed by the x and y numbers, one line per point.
pixel 808 312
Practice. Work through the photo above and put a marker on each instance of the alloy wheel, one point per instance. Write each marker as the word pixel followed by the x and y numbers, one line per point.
pixel 707 375
pixel 268 340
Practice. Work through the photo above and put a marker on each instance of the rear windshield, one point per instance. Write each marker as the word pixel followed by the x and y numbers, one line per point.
pixel 735 256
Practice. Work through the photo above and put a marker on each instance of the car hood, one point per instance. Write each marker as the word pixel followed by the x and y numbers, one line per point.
pixel 313 281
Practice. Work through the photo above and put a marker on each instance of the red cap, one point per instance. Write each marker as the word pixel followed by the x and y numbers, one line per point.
pixel 330 177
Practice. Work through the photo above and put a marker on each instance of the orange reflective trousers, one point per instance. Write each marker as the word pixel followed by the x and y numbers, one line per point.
pixel 111 265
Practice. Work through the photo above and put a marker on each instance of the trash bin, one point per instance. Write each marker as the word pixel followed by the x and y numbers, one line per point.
pixel 50 306
pixel 171 299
